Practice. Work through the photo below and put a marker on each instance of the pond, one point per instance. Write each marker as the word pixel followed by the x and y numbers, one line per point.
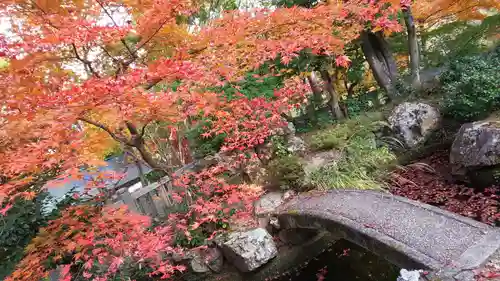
pixel 346 261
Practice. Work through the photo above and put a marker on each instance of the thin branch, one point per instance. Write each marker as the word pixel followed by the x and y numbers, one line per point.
pixel 132 53
pixel 152 35
pixel 84 61
pixel 44 14
pixel 106 129
pixel 109 55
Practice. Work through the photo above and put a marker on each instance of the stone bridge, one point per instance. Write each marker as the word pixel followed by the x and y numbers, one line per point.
pixel 407 233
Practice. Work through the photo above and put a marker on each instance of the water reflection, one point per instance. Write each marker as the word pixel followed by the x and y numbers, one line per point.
pixel 346 261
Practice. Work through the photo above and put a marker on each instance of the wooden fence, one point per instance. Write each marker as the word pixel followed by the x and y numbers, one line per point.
pixel 153 200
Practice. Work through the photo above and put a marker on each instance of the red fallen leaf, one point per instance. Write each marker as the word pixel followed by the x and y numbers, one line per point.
pixel 435 189
pixel 490 274
pixel 345 252
pixel 369 225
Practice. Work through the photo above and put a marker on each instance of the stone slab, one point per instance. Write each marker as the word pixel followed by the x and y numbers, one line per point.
pixel 406 232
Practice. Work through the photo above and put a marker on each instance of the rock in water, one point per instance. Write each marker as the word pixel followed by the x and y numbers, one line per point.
pixel 476 145
pixel 248 250
pixel 414 122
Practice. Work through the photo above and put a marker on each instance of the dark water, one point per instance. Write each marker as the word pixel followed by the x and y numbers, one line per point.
pixel 346 261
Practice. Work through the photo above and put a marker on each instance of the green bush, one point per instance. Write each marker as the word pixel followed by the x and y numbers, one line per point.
pixel 287 171
pixel 21 224
pixel 339 135
pixel 17 229
pixel 471 87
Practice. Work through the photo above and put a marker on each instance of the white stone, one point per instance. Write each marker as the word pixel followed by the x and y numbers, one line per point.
pixel 414 122
pixel 409 275
pixel 249 250
pixel 274 222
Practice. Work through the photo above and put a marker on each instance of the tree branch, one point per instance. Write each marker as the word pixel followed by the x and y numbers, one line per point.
pixel 132 53
pixel 84 61
pixel 106 129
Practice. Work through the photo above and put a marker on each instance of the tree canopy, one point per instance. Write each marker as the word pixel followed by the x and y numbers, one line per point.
pixel 82 76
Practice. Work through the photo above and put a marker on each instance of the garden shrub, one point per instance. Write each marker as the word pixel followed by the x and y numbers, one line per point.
pixel 338 136
pixel 287 171
pixel 362 102
pixel 471 86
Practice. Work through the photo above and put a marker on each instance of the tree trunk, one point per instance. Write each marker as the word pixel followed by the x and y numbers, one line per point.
pixel 413 49
pixel 334 97
pixel 379 56
pixel 316 98
pixel 137 141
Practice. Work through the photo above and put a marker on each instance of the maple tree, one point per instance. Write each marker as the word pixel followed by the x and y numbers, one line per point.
pixel 49 107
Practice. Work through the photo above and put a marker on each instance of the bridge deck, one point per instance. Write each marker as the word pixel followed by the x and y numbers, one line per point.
pixel 428 236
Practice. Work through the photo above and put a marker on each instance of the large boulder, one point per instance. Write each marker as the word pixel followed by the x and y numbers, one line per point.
pixel 476 145
pixel 248 250
pixel 414 122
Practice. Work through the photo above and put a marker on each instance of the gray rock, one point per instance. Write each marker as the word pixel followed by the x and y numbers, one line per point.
pixel 268 203
pixel 256 171
pixel 291 129
pixel 198 264
pixel 205 260
pixel 249 250
pixel 289 194
pixel 295 144
pixel 476 145
pixel 320 159
pixel 414 122
pixel 214 259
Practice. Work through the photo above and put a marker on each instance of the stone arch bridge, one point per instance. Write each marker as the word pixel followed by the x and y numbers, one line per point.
pixel 407 233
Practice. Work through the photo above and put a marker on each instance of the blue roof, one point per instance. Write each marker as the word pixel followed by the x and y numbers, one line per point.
pixel 117 164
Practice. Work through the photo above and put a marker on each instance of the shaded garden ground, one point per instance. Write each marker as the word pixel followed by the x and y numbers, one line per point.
pixel 436 187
